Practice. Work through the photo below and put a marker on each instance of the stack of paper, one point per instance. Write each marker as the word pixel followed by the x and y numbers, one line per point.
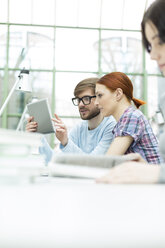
pixel 82 166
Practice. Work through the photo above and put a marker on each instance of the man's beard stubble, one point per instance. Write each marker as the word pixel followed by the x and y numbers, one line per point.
pixel 92 114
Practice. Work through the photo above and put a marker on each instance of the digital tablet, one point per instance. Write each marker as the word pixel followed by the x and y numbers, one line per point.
pixel 40 110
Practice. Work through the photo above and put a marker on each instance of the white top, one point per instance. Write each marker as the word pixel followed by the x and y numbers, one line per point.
pixel 70 213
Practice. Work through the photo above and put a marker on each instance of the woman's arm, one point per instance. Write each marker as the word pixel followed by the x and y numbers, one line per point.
pixel 120 145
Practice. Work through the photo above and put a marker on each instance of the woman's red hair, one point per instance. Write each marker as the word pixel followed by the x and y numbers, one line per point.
pixel 120 80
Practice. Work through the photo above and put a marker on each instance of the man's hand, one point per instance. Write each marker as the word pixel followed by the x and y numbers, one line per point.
pixel 132 172
pixel 61 130
pixel 31 126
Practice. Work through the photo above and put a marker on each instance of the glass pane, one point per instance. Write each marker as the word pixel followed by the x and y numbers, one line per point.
pixel 43 12
pixel 77 13
pixel 66 12
pixel 156 87
pixel 65 84
pixel 32 11
pixel 89 13
pixel 1 91
pixel 20 11
pixel 75 50
pixel 42 83
pixel 31 47
pixel 132 14
pixel 121 51
pixel 111 16
pixel 3 10
pixel 152 95
pixel 3 42
pixel 12 122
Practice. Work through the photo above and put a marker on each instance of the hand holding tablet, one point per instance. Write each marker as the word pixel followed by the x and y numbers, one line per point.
pixel 40 110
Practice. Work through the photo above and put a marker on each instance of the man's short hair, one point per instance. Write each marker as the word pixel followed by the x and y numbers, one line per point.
pixel 84 85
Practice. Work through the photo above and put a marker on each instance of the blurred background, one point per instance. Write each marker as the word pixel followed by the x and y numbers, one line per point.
pixel 63 42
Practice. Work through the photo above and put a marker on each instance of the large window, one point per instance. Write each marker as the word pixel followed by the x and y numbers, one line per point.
pixel 63 42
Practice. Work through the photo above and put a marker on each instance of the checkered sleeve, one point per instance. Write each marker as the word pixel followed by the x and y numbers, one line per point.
pixel 131 125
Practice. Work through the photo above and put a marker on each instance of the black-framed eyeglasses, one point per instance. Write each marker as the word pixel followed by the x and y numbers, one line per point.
pixel 85 99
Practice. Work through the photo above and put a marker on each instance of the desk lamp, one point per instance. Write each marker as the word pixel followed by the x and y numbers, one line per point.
pixel 21 84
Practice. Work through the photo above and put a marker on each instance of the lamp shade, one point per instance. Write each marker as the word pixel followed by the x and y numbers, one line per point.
pixel 24 83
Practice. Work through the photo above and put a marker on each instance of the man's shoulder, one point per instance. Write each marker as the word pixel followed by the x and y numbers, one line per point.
pixel 109 120
pixel 107 123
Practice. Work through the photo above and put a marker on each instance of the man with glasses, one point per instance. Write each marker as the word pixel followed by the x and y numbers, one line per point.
pixel 92 135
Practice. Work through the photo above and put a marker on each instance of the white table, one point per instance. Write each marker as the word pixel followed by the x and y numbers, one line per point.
pixel 71 213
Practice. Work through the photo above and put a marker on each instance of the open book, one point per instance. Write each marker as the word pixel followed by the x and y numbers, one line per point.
pixel 83 166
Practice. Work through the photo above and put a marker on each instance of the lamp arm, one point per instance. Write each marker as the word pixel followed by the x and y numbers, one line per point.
pixel 9 95
pixel 22 117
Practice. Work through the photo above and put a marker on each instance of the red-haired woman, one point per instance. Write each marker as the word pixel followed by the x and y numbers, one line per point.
pixel 132 133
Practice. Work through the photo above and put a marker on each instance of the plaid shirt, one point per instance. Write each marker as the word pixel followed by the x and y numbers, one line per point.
pixel 133 123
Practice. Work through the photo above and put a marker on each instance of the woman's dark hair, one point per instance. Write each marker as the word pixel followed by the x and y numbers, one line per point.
pixel 156 14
